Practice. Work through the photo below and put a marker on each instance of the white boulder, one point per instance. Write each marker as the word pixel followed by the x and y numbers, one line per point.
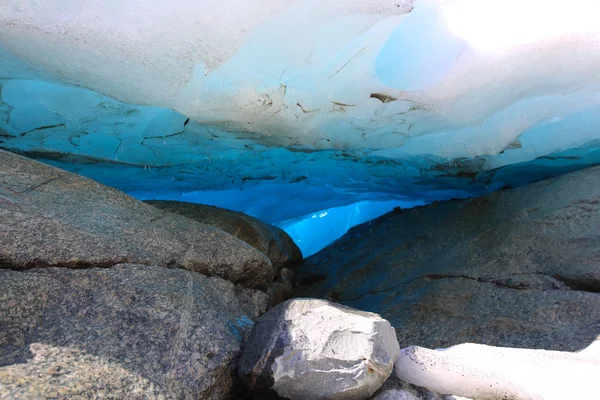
pixel 307 349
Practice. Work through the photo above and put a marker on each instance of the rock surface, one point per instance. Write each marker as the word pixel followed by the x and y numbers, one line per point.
pixel 49 217
pixel 487 372
pixel 282 288
pixel 129 331
pixel 518 268
pixel 268 239
pixel 312 349
pixel 397 389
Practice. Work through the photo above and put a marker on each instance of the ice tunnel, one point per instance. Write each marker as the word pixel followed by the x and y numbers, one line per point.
pixel 314 116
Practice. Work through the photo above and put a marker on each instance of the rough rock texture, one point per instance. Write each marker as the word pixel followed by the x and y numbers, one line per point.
pixel 268 239
pixel 487 372
pixel 306 349
pixel 518 268
pixel 397 389
pixel 49 217
pixel 282 288
pixel 129 331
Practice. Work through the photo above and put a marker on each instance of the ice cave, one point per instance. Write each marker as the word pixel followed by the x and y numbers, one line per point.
pixel 319 116
pixel 285 110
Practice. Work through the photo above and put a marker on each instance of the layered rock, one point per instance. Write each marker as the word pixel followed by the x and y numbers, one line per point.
pixel 268 239
pixel 49 217
pixel 518 268
pixel 129 331
pixel 312 349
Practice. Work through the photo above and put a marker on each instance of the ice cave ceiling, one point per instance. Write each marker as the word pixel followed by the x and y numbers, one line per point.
pixel 282 108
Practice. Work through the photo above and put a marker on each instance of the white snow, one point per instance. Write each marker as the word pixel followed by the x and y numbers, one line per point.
pixel 486 372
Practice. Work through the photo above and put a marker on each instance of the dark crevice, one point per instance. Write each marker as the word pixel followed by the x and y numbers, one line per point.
pixel 496 282
pixel 312 279
pixel 41 128
pixel 337 103
pixel 583 284
pixel 259 178
pixel 347 62
pixel 154 219
pixel 10 264
pixel 47 181
pixel 298 179
pixel 384 98
pixel 337 296
pixel 302 108
pixel 163 137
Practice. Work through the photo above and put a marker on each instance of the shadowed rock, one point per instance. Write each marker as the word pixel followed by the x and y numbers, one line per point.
pixel 282 288
pixel 130 331
pixel 517 268
pixel 49 217
pixel 268 239
pixel 397 389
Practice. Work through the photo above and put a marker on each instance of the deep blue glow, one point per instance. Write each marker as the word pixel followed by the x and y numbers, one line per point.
pixel 316 231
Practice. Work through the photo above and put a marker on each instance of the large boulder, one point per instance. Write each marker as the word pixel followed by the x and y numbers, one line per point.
pixel 307 349
pixel 129 331
pixel 270 240
pixel 517 268
pixel 49 217
pixel 486 372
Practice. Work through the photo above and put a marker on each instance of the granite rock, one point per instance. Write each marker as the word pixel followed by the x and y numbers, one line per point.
pixel 128 331
pixel 270 240
pixel 49 217
pixel 397 389
pixel 517 268
pixel 282 288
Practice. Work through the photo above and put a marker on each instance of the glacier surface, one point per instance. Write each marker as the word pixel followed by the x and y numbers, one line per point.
pixel 283 109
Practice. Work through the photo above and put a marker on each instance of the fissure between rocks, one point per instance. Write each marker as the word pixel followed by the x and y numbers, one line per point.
pixel 563 283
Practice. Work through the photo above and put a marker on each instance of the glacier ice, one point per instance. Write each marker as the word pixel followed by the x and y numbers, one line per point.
pixel 314 232
pixel 466 77
pixel 286 108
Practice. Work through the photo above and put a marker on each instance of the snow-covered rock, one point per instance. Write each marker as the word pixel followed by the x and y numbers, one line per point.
pixel 486 372
pixel 308 349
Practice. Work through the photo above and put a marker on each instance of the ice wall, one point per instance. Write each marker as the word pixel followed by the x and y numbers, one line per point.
pixel 314 232
pixel 451 78
pixel 287 108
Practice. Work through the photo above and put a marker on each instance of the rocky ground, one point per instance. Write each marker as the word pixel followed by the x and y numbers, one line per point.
pixel 103 296
pixel 518 268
